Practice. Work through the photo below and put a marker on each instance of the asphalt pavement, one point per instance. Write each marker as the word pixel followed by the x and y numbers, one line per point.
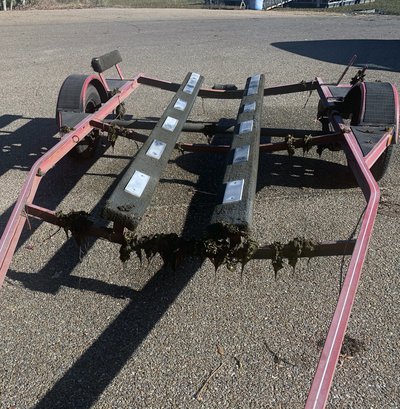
pixel 80 330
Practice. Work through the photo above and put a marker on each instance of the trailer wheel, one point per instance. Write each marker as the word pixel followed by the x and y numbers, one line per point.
pixel 87 147
pixel 380 167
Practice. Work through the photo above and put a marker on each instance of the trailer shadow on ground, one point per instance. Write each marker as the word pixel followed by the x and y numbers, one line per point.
pixel 376 54
pixel 21 148
pixel 283 170
pixel 304 172
pixel 86 380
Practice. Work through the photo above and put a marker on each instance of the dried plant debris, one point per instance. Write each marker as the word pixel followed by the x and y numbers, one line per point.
pixel 221 350
pixel 76 222
pixel 114 131
pixel 350 348
pixel 222 244
pixel 229 245
pixel 172 248
pixel 179 148
pixel 90 139
pixel 66 129
pixel 307 143
pixel 120 111
pixel 304 83
pixel 291 148
pixel 112 135
pixel 296 248
pixel 199 394
pixel 277 260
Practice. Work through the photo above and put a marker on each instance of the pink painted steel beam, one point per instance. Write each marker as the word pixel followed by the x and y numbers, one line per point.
pixel 227 94
pixel 319 391
pixel 12 232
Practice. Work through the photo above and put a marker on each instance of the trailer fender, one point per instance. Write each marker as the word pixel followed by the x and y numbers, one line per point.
pixel 72 95
pixel 373 103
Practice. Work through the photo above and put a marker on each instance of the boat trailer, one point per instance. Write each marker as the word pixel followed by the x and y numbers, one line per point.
pixel 361 118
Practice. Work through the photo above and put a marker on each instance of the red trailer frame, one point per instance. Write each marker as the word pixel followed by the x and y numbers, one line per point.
pixel 340 132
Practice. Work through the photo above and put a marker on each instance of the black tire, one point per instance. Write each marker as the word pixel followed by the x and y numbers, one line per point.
pixel 380 167
pixel 87 147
